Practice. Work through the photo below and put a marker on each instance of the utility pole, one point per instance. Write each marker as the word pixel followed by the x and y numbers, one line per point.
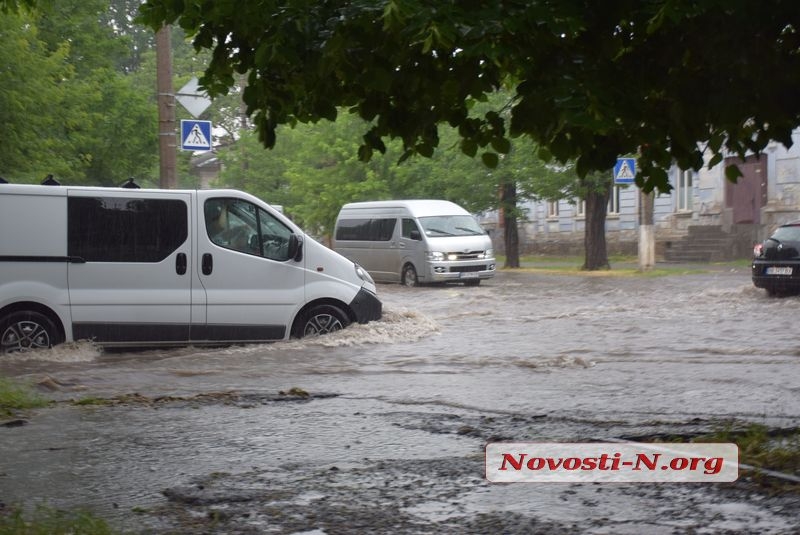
pixel 167 144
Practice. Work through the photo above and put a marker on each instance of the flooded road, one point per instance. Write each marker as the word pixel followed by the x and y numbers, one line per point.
pixel 381 428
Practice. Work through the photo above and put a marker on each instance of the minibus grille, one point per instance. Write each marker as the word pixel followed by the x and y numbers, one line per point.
pixel 463 269
pixel 471 255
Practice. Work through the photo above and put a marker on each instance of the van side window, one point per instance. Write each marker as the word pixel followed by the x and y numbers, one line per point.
pixel 242 226
pixel 366 229
pixel 116 229
pixel 410 225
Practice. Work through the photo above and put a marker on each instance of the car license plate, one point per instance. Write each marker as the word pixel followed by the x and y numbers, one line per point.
pixel 779 270
pixel 469 275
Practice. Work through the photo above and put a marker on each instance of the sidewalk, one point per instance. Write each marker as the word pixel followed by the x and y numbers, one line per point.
pixel 560 263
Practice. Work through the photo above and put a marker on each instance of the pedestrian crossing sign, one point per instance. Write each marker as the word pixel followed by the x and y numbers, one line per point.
pixel 625 171
pixel 195 135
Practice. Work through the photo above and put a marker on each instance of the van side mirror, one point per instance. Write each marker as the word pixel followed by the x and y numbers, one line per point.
pixel 415 235
pixel 295 247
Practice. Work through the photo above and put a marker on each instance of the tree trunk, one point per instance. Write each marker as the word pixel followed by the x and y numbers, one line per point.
pixel 594 240
pixel 508 202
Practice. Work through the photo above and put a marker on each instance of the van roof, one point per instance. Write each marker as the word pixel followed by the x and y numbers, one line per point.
pixel 61 190
pixel 417 207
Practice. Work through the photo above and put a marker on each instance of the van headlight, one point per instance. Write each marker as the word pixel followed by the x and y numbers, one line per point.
pixel 435 256
pixel 488 253
pixel 362 274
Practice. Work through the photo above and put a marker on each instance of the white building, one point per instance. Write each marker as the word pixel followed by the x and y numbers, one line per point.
pixel 704 218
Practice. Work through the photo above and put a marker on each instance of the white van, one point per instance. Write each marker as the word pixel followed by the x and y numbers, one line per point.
pixel 137 267
pixel 415 241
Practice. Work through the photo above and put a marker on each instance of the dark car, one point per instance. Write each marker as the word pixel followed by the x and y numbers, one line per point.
pixel 776 261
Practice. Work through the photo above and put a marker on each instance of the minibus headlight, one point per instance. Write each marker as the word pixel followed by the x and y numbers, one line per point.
pixel 362 274
pixel 436 256
pixel 489 253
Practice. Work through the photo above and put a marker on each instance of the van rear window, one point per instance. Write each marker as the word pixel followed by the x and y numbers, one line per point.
pixel 366 229
pixel 114 229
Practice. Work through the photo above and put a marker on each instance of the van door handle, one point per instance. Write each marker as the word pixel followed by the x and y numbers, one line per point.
pixel 208 264
pixel 180 264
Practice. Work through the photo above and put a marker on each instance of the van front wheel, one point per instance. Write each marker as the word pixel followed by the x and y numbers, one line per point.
pixel 409 276
pixel 27 330
pixel 323 319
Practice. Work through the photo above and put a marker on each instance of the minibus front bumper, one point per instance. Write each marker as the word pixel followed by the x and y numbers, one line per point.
pixel 461 271
pixel 366 306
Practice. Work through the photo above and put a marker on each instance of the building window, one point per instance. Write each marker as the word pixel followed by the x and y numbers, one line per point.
pixel 683 191
pixel 580 208
pixel 552 209
pixel 613 201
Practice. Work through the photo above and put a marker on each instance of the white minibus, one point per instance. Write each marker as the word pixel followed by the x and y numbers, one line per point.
pixel 141 267
pixel 415 241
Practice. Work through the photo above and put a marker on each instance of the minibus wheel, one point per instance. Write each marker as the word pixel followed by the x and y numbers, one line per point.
pixel 409 276
pixel 26 330
pixel 323 319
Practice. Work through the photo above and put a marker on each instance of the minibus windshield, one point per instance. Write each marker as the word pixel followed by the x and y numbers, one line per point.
pixel 450 225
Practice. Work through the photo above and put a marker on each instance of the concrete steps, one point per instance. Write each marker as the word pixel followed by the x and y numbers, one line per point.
pixel 703 243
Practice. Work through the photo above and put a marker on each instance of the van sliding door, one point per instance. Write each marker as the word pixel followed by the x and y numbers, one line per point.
pixel 134 285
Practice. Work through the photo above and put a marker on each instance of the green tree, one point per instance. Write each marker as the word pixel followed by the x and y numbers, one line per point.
pixel 591 80
pixel 312 171
pixel 31 101
pixel 67 104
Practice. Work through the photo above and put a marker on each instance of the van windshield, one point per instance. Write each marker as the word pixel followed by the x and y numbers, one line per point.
pixel 450 225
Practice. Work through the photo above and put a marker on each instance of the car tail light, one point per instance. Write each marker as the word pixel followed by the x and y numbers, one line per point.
pixel 758 250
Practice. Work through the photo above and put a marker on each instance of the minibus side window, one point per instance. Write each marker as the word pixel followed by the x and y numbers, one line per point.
pixel 353 230
pixel 366 229
pixel 409 226
pixel 118 229
pixel 383 229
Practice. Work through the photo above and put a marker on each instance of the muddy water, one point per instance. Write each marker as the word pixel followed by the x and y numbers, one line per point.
pixel 390 437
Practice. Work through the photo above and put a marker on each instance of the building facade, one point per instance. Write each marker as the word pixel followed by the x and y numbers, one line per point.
pixel 704 217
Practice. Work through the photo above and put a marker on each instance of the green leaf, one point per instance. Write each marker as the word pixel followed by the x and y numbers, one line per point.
pixel 425 149
pixel 732 173
pixel 490 159
pixel 469 147
pixel 501 145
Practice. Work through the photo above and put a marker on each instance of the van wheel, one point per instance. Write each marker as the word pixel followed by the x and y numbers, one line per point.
pixel 323 319
pixel 409 276
pixel 26 330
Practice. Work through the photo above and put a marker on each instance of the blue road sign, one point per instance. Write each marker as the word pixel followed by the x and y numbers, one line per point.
pixel 625 171
pixel 195 135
